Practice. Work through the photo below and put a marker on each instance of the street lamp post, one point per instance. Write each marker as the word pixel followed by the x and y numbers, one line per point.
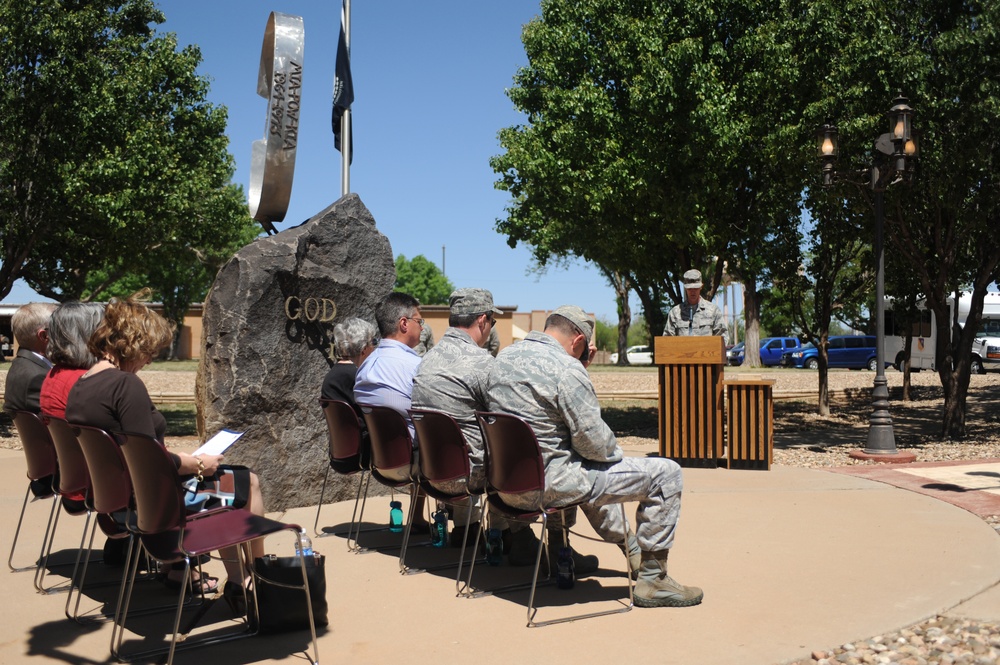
pixel 896 153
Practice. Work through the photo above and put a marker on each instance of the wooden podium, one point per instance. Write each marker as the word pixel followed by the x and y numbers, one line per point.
pixel 691 399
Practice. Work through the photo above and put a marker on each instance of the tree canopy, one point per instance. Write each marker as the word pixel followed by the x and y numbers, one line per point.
pixel 663 136
pixel 113 166
pixel 423 280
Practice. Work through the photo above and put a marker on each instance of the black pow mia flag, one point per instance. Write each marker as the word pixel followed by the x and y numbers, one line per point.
pixel 343 86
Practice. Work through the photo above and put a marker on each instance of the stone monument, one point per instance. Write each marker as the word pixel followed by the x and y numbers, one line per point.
pixel 267 344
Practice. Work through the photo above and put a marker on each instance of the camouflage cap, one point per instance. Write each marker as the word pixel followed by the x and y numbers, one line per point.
pixel 582 320
pixel 472 301
pixel 692 279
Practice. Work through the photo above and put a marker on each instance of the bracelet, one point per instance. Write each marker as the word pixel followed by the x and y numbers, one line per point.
pixel 200 476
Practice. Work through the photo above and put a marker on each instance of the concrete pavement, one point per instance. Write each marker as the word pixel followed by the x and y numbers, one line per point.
pixel 791 560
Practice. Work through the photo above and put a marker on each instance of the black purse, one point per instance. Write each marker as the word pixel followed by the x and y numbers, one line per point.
pixel 282 607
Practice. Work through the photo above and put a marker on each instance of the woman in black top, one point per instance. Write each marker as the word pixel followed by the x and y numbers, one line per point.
pixel 110 396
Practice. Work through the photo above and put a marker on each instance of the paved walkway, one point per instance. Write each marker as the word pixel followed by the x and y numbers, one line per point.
pixel 791 560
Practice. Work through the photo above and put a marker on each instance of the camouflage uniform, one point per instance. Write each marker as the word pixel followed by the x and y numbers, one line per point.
pixel 538 381
pixel 705 318
pixel 452 379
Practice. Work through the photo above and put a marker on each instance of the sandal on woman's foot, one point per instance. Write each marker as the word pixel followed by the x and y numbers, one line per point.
pixel 235 597
pixel 203 584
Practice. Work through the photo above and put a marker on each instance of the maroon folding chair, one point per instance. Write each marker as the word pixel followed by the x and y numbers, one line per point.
pixel 111 491
pixel 171 535
pixel 393 462
pixel 349 455
pixel 514 465
pixel 444 458
pixel 40 455
pixel 74 482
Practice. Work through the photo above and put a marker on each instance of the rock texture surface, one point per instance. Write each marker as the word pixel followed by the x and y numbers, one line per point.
pixel 268 329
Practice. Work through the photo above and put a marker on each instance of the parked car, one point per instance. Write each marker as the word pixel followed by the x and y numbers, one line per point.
pixel 637 355
pixel 851 351
pixel 734 354
pixel 771 350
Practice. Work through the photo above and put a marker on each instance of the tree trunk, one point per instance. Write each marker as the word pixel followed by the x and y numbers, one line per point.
pixel 905 365
pixel 751 335
pixel 651 297
pixel 621 286
pixel 823 376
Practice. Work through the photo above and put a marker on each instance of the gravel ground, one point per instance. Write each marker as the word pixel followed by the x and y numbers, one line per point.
pixel 803 438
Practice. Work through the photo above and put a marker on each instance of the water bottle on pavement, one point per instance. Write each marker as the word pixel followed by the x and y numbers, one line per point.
pixel 395 516
pixel 439 529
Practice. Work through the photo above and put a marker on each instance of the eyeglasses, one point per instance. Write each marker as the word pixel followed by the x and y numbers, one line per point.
pixel 419 322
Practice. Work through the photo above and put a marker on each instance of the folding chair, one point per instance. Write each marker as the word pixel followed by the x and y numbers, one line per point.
pixel 111 490
pixel 349 454
pixel 171 535
pixel 443 458
pixel 40 455
pixel 392 462
pixel 514 465
pixel 74 481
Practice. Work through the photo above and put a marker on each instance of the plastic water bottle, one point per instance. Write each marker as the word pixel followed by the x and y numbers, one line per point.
pixel 439 530
pixel 307 546
pixel 565 573
pixel 395 516
pixel 494 547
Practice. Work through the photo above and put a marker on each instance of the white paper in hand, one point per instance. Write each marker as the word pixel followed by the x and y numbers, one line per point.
pixel 219 443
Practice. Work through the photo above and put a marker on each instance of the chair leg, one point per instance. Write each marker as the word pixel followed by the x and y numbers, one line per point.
pixel 461 557
pixel 542 542
pixel 628 576
pixel 403 569
pixel 355 527
pixel 322 494
pixel 82 553
pixel 17 531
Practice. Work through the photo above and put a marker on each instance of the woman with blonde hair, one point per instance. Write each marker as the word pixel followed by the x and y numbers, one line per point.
pixel 110 396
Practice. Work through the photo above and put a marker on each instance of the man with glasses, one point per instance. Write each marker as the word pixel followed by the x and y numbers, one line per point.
pixel 544 380
pixel 385 378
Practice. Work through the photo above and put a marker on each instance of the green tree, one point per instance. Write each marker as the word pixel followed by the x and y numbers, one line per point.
pixel 640 152
pixel 944 225
pixel 422 280
pixel 111 159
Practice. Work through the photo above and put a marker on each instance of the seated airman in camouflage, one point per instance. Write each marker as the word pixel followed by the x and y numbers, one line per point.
pixel 544 381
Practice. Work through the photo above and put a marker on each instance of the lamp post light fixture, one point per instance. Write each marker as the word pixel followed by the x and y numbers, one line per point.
pixel 896 153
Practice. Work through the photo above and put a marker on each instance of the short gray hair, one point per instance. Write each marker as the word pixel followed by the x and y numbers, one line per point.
pixel 352 336
pixel 70 329
pixel 28 320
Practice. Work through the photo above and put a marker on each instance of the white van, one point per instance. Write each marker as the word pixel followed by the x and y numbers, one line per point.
pixel 985 349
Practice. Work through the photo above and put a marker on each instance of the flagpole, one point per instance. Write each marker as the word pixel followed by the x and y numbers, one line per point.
pixel 345 120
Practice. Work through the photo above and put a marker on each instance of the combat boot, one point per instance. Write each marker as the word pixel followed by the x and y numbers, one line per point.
pixel 655 588
pixel 523 547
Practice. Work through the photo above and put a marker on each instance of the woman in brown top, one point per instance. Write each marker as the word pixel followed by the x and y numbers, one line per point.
pixel 110 396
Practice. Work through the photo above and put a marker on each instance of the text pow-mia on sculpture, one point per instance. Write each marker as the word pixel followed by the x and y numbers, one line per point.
pixel 272 165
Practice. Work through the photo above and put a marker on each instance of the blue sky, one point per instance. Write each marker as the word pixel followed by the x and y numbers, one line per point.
pixel 429 83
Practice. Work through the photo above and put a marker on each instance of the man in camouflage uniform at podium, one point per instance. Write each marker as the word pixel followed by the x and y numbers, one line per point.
pixel 696 316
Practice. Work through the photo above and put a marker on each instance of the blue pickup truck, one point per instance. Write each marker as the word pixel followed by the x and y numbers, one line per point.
pixel 771 350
